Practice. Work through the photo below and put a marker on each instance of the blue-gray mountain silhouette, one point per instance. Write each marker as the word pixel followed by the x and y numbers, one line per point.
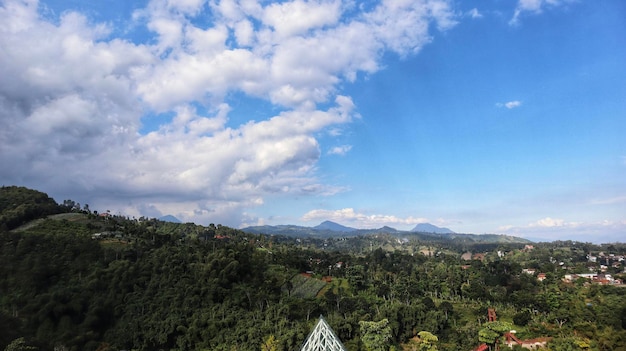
pixel 170 218
pixel 336 227
pixel 430 228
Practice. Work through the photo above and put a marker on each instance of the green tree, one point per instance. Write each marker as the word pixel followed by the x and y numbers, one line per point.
pixel 491 332
pixel 356 277
pixel 568 344
pixel 375 335
pixel 427 341
pixel 270 344
pixel 522 318
pixel 19 344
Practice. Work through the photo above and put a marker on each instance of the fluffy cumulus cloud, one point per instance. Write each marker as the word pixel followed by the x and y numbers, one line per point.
pixel 350 217
pixel 75 98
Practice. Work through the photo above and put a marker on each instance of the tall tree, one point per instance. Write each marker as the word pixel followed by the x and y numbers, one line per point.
pixel 427 341
pixel 376 336
pixel 491 332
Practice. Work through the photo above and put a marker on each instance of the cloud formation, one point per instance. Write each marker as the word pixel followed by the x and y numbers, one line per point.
pixel 533 6
pixel 340 150
pixel 75 98
pixel 474 13
pixel 510 104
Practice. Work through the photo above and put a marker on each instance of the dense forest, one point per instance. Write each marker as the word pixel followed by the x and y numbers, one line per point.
pixel 75 279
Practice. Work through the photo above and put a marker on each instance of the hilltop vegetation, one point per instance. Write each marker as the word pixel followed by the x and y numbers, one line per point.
pixel 19 205
pixel 76 280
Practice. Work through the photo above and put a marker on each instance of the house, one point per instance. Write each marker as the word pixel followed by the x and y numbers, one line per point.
pixel 479 257
pixel 602 279
pixel 531 344
pixel 541 277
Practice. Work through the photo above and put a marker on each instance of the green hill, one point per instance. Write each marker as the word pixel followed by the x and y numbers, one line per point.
pixel 18 205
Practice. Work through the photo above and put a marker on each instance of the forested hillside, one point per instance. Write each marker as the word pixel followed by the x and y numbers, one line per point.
pixel 19 205
pixel 83 281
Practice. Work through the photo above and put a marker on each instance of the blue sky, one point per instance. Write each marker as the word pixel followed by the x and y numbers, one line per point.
pixel 484 117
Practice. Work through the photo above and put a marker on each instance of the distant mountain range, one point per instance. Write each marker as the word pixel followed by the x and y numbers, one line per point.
pixel 422 231
pixel 329 226
pixel 324 229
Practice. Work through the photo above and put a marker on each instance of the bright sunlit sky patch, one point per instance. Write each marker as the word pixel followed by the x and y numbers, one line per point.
pixel 484 117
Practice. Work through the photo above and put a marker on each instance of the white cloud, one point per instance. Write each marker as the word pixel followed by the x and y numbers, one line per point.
pixel 190 77
pixel 402 26
pixel 474 13
pixel 510 104
pixel 78 96
pixel 513 104
pixel 298 17
pixel 244 32
pixel 297 56
pixel 348 216
pixel 340 150
pixel 550 222
pixel 533 6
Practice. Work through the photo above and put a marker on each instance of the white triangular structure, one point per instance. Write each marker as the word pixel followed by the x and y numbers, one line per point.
pixel 322 338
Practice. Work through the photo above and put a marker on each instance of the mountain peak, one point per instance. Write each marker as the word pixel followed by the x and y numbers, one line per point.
pixel 329 225
pixel 430 228
pixel 170 218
